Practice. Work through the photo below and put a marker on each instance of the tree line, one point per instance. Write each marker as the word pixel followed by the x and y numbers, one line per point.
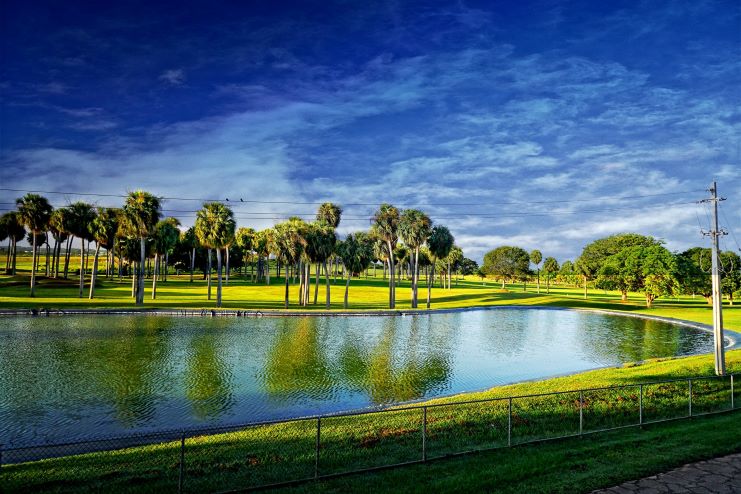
pixel 135 236
pixel 626 262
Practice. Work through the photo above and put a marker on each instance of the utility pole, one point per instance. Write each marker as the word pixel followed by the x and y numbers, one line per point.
pixel 720 355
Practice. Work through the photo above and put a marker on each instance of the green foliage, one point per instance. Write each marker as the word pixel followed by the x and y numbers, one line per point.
pixel 215 225
pixel 550 267
pixel 594 254
pixel 414 228
pixel 34 212
pixel 693 267
pixel 468 266
pixel 507 262
pixel 651 270
pixel 440 242
pixel 356 252
pixel 329 213
pixel 166 235
pixel 731 273
pixel 386 225
pixel 290 240
pixel 141 212
pixel 104 227
pixel 536 257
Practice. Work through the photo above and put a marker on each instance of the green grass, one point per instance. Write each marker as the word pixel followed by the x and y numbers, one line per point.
pixel 264 454
pixel 366 294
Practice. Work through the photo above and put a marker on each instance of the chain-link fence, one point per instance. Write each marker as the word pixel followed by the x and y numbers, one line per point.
pixel 283 452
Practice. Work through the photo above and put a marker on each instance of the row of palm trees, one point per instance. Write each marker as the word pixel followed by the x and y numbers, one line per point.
pixel 135 232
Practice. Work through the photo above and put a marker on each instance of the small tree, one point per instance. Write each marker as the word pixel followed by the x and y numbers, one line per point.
pixel 141 212
pixel 507 262
pixel 356 252
pixel 550 268
pixel 536 257
pixel 440 242
pixel 386 227
pixel 215 230
pixel 103 230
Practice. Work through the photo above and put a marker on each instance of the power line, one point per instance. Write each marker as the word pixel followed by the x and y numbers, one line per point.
pixel 251 201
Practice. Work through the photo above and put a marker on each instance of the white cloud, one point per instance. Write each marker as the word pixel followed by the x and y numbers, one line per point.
pixel 175 77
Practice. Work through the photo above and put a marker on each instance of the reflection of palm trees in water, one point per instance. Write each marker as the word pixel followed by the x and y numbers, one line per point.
pixel 389 374
pixel 297 363
pixel 208 378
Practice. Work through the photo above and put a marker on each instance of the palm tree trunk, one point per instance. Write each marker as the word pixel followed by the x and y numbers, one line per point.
pixel 430 281
pixel 154 278
pixel 33 266
pixel 267 269
pixel 218 277
pixel 95 271
pixel 416 277
pixel 227 265
pixel 192 263
pixel 133 280
pixel 7 256
pixel 392 281
pixel 67 256
pixel 538 280
pixel 316 283
pixel 142 262
pixel 326 282
pixel 47 257
pixel 167 259
pixel 120 265
pixel 15 255
pixel 82 266
pixel 286 295
pixel 208 275
pixel 347 289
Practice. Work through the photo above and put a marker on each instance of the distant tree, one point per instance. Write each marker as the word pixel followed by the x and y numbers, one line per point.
pixel 34 212
pixel 15 231
pixel 536 257
pixel 189 242
pixel 81 216
pixel 356 252
pixel 245 239
pixel 595 253
pixel 57 227
pixel 290 243
pixel 214 228
pixel 731 274
pixel 469 267
pixel 694 267
pixel 386 227
pixel 141 212
pixel 452 260
pixel 329 213
pixel 103 229
pixel 567 273
pixel 550 268
pixel 440 242
pixel 651 270
pixel 165 237
pixel 414 228
pixel 507 262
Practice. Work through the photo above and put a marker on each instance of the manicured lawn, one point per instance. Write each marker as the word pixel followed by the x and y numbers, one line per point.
pixel 365 294
pixel 274 453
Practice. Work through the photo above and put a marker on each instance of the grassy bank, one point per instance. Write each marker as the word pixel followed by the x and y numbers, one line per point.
pixel 284 451
pixel 366 294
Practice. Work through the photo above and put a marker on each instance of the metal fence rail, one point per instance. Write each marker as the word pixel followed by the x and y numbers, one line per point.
pixel 284 452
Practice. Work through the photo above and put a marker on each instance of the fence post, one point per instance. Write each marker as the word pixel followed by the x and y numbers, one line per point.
pixel 689 383
pixel 424 433
pixel 509 424
pixel 581 412
pixel 316 451
pixel 640 405
pixel 181 473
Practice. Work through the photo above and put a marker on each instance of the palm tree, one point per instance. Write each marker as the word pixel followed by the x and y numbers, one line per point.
pixel 356 252
pixel 415 227
pixel 81 216
pixel 550 268
pixel 536 257
pixel 331 215
pixel 165 237
pixel 189 240
pixel 58 228
pixel 34 211
pixel 439 242
pixel 141 212
pixel 290 242
pixel 245 238
pixel 15 230
pixel 215 230
pixel 386 226
pixel 103 230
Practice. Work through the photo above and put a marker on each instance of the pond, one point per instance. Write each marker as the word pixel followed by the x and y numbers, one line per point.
pixel 73 377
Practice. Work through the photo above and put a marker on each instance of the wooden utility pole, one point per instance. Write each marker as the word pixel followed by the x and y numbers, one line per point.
pixel 714 233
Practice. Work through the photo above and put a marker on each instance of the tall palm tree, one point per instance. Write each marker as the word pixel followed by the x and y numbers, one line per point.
pixel 386 226
pixel 81 216
pixel 189 240
pixel 165 237
pixel 439 242
pixel 103 230
pixel 215 230
pixel 141 212
pixel 536 257
pixel 16 231
pixel 170 235
pixel 34 211
pixel 415 227
pixel 290 241
pixel 58 227
pixel 356 252
pixel 329 213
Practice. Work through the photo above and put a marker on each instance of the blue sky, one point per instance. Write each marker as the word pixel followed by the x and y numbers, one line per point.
pixel 523 123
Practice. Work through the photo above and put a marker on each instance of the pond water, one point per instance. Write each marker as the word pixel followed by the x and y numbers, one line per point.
pixel 74 377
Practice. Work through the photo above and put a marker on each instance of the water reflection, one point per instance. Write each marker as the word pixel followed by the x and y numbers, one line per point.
pixel 81 376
